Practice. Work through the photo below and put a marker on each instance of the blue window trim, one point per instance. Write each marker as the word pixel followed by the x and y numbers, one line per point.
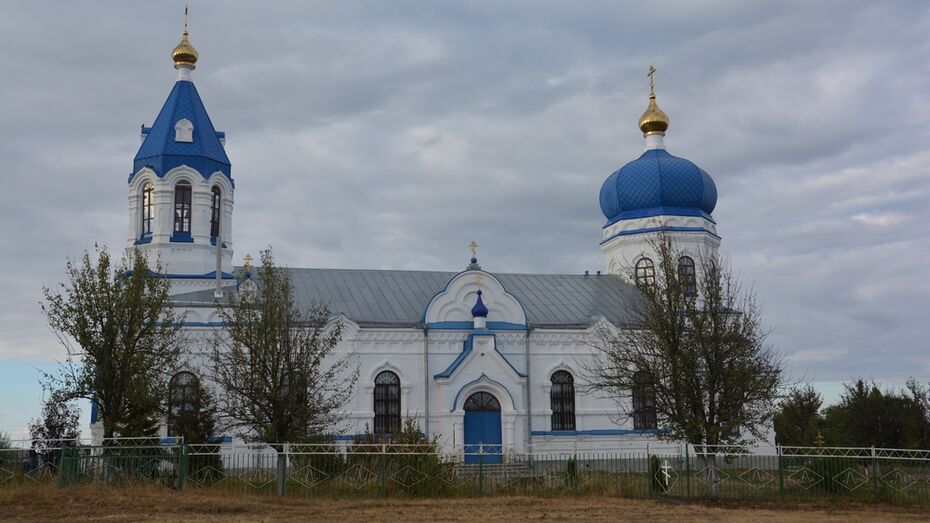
pixel 659 229
pixel 592 432
pixel 145 238
pixel 208 276
pixel 468 325
pixel 182 237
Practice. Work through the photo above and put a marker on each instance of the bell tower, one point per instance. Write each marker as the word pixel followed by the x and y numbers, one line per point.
pixel 181 186
pixel 657 193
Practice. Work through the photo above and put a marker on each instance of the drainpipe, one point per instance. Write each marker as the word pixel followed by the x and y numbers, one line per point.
pixel 426 378
pixel 529 401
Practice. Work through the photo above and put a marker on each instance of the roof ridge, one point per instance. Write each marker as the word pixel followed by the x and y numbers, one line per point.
pixel 433 271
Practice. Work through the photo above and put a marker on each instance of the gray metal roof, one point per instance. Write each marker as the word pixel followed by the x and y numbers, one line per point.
pixel 398 298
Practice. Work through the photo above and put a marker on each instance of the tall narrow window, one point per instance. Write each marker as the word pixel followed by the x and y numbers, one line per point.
pixel 182 398
pixel 686 275
pixel 182 207
pixel 387 403
pixel 562 396
pixel 644 403
pixel 147 215
pixel 215 214
pixel 645 273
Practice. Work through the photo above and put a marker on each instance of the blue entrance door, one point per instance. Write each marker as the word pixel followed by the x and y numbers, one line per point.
pixel 483 429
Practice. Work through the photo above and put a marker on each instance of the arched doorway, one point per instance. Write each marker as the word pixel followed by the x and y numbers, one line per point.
pixel 482 429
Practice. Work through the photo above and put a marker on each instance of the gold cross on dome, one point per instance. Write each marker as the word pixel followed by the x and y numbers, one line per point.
pixel 474 248
pixel 247 260
pixel 651 74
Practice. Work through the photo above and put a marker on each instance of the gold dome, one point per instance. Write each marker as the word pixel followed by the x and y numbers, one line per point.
pixel 653 120
pixel 184 53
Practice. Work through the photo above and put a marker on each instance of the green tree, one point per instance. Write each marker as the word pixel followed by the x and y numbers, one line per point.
pixel 57 427
pixel 122 337
pixel 866 416
pixel 274 362
pixel 695 350
pixel 197 422
pixel 797 421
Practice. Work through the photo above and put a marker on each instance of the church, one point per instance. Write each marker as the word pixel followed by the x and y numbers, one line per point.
pixel 475 357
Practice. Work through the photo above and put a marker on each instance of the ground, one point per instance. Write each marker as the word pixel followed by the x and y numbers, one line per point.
pixel 81 504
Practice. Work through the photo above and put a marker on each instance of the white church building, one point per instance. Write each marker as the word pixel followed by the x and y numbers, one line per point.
pixel 476 357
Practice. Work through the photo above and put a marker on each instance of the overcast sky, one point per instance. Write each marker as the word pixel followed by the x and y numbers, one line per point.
pixel 390 134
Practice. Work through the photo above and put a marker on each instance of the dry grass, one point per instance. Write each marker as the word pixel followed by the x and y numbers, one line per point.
pixel 81 504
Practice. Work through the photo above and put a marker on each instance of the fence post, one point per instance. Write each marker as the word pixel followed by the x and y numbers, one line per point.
pixel 282 469
pixel 383 469
pixel 480 468
pixel 648 471
pixel 875 473
pixel 781 472
pixel 687 471
pixel 182 466
pixel 576 470
pixel 64 467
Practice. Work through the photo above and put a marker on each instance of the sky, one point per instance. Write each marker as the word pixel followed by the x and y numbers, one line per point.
pixel 387 135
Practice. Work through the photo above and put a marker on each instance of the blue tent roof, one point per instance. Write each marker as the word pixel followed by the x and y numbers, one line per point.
pixel 161 153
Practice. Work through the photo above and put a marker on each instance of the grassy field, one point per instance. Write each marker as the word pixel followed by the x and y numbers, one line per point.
pixel 87 503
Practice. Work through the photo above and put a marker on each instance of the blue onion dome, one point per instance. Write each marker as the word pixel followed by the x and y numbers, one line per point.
pixel 479 310
pixel 658 183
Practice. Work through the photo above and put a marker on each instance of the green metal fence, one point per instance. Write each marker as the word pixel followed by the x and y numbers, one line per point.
pixel 379 470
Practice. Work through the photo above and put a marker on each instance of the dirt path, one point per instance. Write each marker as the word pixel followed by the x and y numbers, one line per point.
pixel 82 504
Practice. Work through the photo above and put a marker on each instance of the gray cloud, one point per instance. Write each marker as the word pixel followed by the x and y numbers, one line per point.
pixel 389 134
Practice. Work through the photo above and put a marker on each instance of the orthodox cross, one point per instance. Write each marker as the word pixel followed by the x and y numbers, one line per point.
pixel 474 254
pixel 666 476
pixel 247 260
pixel 651 74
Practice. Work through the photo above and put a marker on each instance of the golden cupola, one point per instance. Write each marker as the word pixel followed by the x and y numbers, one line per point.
pixel 184 54
pixel 653 120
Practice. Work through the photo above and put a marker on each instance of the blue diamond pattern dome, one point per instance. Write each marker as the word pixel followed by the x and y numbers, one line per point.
pixel 658 183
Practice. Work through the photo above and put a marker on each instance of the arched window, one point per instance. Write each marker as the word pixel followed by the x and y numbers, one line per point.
pixel 482 401
pixel 182 207
pixel 645 273
pixel 147 214
pixel 387 403
pixel 686 275
pixel 562 397
pixel 644 403
pixel 182 397
pixel 215 214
